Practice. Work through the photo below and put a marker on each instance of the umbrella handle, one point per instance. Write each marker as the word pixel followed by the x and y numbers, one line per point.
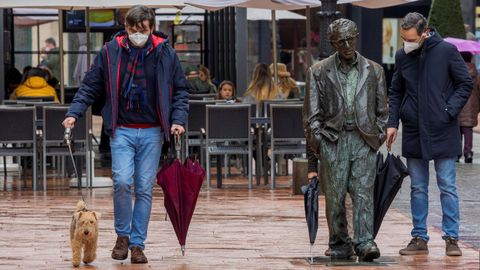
pixel 178 144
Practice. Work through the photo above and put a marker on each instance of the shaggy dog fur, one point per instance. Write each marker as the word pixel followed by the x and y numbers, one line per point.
pixel 84 234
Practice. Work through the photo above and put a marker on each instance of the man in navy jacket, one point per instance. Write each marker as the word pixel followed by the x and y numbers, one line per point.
pixel 429 88
pixel 146 100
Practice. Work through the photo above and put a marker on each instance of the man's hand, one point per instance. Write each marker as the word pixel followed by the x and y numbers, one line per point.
pixel 391 137
pixel 310 175
pixel 69 122
pixel 177 128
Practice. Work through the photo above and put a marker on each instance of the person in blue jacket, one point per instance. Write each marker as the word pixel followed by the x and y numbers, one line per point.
pixel 430 86
pixel 146 101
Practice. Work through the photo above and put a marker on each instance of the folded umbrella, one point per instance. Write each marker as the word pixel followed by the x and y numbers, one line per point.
pixel 311 208
pixel 181 184
pixel 389 179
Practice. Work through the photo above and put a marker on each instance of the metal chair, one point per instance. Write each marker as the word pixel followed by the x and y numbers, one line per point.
pixel 196 122
pixel 266 104
pixel 201 96
pixel 53 144
pixel 287 134
pixel 9 102
pixel 18 128
pixel 227 133
pixel 37 98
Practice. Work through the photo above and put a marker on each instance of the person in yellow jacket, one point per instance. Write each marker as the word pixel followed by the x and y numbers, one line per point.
pixel 35 84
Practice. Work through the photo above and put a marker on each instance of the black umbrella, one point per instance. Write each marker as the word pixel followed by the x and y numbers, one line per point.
pixel 388 181
pixel 311 208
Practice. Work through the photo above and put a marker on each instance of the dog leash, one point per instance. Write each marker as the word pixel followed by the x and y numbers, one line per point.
pixel 68 139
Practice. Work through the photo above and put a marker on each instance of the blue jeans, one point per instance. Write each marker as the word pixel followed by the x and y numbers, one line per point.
pixel 135 158
pixel 419 175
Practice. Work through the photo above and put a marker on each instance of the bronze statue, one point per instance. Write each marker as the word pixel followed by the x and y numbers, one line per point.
pixel 345 117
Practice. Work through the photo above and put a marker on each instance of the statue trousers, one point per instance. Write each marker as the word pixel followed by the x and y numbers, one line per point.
pixel 348 165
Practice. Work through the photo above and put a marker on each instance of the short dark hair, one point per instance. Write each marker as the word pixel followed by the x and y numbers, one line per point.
pixel 139 13
pixel 414 19
pixel 51 41
pixel 36 72
pixel 340 25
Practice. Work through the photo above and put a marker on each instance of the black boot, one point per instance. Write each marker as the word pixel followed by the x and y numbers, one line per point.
pixel 468 157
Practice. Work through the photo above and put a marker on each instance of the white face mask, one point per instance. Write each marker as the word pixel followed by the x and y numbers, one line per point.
pixel 409 47
pixel 138 39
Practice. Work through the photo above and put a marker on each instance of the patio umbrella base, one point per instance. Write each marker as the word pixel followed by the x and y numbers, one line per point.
pixel 353 261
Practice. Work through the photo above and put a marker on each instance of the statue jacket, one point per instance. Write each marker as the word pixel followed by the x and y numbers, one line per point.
pixel 324 104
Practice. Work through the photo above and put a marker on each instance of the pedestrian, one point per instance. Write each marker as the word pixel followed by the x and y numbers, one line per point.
pixel 285 83
pixel 468 117
pixel 146 101
pixel 345 115
pixel 430 85
pixel 261 86
pixel 50 56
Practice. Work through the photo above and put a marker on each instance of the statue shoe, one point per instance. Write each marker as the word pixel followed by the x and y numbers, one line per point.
pixel 341 252
pixel 367 251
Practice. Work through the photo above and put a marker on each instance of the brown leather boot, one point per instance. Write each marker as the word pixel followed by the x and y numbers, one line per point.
pixel 137 255
pixel 120 251
pixel 416 246
pixel 452 248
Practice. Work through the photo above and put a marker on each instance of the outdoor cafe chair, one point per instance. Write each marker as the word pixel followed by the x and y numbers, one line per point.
pixel 196 123
pixel 17 129
pixel 201 96
pixel 53 143
pixel 228 133
pixel 266 104
pixel 37 98
pixel 287 134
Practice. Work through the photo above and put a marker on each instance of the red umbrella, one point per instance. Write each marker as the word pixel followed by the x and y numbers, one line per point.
pixel 181 185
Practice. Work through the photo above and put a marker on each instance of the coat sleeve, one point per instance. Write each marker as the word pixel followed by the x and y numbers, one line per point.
pixel 312 113
pixel 311 109
pixel 462 83
pixel 381 101
pixel 396 93
pixel 92 86
pixel 312 159
pixel 180 85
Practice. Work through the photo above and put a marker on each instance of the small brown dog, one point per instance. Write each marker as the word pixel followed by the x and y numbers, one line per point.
pixel 84 234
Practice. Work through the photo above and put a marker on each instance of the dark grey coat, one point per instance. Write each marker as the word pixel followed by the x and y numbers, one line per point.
pixel 429 88
pixel 324 108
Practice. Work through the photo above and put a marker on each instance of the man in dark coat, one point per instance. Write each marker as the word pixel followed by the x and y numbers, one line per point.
pixel 146 99
pixel 430 86
pixel 345 115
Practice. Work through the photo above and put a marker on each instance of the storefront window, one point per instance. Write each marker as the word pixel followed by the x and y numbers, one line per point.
pixel 36 43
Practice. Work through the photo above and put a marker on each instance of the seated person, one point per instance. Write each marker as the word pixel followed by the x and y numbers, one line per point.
pixel 285 83
pixel 200 82
pixel 261 86
pixel 34 84
pixel 13 78
pixel 226 91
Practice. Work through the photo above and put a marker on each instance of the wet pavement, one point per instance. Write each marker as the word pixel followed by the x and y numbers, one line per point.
pixel 468 188
pixel 232 228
